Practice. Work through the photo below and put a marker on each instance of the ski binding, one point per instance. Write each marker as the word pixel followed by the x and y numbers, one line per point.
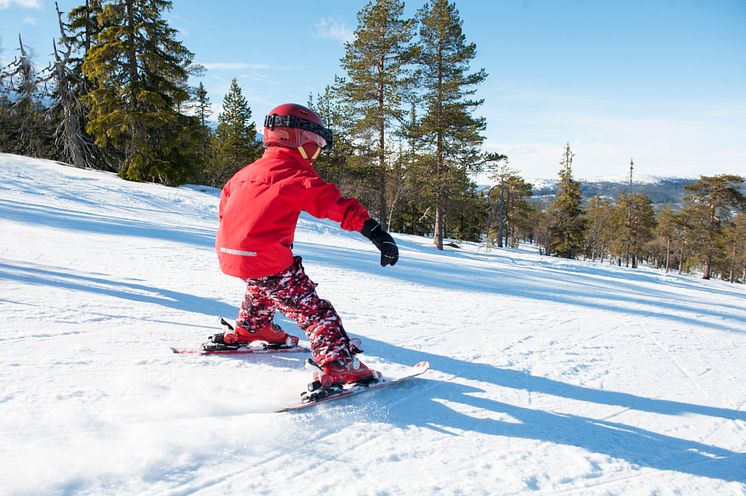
pixel 320 394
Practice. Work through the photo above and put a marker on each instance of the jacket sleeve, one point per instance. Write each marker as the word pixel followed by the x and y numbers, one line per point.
pixel 323 200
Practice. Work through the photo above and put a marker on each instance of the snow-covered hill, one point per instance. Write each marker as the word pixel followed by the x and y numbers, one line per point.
pixel 549 376
pixel 661 190
pixel 638 179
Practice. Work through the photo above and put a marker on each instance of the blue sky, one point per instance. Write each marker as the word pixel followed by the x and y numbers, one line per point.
pixel 663 82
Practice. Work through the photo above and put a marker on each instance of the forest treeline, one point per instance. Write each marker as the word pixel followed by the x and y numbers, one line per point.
pixel 408 137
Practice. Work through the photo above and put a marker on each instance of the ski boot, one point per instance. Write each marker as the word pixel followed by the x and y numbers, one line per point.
pixel 271 337
pixel 338 375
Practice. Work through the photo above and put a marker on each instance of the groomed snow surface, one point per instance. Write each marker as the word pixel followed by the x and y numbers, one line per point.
pixel 549 376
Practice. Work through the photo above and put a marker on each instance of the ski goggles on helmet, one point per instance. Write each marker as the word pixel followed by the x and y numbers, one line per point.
pixel 318 134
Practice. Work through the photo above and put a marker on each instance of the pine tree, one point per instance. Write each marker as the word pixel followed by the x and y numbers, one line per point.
pixel 406 183
pixel 508 200
pixel 565 216
pixel 601 228
pixel 203 108
pixel 376 63
pixel 205 136
pixel 665 233
pixel 636 221
pixel 335 165
pixel 84 23
pixel 448 126
pixel 236 142
pixel 140 73
pixel 734 238
pixel 711 203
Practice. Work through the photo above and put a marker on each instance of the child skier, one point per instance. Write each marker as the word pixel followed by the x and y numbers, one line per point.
pixel 259 208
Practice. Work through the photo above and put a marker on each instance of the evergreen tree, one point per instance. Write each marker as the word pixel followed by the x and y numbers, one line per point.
pixel 236 143
pixel 335 165
pixel 636 221
pixel 711 203
pixel 140 73
pixel 734 238
pixel 666 235
pixel 509 202
pixel 466 209
pixel 205 135
pixel 84 23
pixel 204 110
pixel 376 64
pixel 407 184
pixel 601 228
pixel 81 32
pixel 448 127
pixel 565 216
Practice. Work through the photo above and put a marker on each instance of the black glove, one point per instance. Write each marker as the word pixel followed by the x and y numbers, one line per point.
pixel 383 241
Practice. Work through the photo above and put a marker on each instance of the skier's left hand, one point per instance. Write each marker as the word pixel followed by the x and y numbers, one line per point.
pixel 384 242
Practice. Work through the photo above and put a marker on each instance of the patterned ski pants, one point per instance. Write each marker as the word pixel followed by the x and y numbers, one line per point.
pixel 294 294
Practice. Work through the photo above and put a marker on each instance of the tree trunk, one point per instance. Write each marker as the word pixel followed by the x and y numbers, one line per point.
pixel 501 219
pixel 439 227
pixel 382 163
pixel 733 263
pixel 439 165
pixel 668 254
pixel 131 62
pixel 710 244
pixel 681 260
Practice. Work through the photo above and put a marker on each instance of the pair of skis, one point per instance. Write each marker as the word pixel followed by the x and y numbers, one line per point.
pixel 312 398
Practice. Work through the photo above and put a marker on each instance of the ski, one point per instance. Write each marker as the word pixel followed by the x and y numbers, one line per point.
pixel 255 347
pixel 353 389
pixel 241 350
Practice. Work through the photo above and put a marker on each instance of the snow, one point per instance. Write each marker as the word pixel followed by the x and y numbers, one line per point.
pixel 549 376
pixel 638 179
pixel 539 184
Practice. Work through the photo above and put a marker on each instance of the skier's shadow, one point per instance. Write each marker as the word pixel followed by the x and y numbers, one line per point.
pixel 635 445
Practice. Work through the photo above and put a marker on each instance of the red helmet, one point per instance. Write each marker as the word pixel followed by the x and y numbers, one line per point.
pixel 295 126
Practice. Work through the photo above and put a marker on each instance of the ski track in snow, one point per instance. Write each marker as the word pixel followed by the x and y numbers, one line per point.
pixel 548 376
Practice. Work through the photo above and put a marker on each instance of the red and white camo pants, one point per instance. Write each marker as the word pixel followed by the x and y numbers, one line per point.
pixel 294 294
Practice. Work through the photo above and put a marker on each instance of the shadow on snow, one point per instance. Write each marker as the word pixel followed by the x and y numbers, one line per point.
pixel 618 296
pixel 635 445
pixel 117 289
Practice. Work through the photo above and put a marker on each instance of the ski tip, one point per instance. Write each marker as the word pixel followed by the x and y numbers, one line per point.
pixel 424 365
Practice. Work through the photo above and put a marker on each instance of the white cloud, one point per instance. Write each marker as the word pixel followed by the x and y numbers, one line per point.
pixel 24 4
pixel 334 30
pixel 29 20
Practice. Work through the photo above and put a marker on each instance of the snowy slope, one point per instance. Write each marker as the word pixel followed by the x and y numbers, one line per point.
pixel 639 179
pixel 549 376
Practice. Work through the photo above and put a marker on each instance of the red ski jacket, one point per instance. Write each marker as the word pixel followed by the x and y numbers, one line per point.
pixel 259 208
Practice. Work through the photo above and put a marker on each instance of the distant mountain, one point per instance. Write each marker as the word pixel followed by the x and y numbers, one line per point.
pixel 661 190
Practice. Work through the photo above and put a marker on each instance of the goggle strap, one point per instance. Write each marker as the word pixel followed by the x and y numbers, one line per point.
pixel 274 120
